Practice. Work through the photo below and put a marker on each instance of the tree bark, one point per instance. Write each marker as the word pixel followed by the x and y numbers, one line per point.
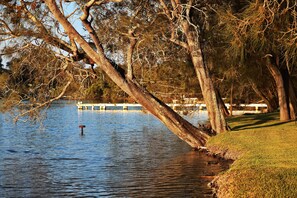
pixel 130 50
pixel 282 98
pixel 216 116
pixel 231 98
pixel 222 104
pixel 293 100
pixel 194 136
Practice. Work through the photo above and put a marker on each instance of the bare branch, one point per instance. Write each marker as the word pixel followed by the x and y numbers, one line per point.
pixel 7 27
pixel 16 50
pixel 171 18
pixel 188 9
pixel 72 13
pixel 131 46
pixel 166 10
pixel 180 43
pixel 88 26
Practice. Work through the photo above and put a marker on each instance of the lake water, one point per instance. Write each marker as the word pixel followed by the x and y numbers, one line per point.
pixel 122 154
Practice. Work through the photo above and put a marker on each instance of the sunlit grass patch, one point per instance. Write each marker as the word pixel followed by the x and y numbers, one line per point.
pixel 266 153
pixel 259 182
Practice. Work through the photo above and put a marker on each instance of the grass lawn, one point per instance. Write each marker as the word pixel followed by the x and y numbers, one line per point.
pixel 265 150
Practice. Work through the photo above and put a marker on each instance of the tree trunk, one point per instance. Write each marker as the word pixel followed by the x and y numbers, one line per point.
pixel 183 129
pixel 282 98
pixel 293 100
pixel 130 50
pixel 290 93
pixel 231 98
pixel 224 109
pixel 216 116
pixel 271 106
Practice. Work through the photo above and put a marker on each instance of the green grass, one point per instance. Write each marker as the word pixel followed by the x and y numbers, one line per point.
pixel 266 152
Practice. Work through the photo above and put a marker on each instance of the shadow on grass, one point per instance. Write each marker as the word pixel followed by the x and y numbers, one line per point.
pixel 255 121
pixel 255 126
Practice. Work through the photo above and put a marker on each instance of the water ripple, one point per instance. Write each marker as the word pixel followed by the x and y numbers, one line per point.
pixel 122 154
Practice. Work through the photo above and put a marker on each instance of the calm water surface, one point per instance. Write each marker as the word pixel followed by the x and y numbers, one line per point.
pixel 122 154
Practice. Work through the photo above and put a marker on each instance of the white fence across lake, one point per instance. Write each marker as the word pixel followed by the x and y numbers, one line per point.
pixel 133 106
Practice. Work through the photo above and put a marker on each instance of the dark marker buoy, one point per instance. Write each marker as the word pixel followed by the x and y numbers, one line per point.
pixel 82 129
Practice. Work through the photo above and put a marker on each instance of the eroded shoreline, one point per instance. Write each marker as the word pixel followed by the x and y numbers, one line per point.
pixel 222 155
pixel 228 157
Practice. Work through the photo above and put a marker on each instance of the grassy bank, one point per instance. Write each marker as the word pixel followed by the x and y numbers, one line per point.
pixel 265 150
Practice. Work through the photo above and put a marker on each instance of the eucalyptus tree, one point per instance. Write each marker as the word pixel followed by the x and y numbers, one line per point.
pixel 265 31
pixel 243 82
pixel 49 21
pixel 187 21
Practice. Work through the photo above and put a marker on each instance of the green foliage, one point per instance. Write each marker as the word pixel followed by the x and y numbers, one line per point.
pixel 102 89
pixel 95 91
pixel 246 34
pixel 260 28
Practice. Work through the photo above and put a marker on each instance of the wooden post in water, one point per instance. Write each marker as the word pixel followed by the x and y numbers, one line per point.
pixel 82 129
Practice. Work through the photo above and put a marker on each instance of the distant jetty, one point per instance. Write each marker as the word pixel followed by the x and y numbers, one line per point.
pixel 175 106
pixel 130 106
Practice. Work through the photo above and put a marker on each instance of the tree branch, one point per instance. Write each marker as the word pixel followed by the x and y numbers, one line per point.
pixel 50 39
pixel 180 43
pixel 166 10
pixel 131 46
pixel 7 27
pixel 88 26
pixel 171 19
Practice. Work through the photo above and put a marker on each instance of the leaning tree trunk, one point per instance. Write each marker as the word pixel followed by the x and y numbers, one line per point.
pixel 183 129
pixel 282 98
pixel 216 116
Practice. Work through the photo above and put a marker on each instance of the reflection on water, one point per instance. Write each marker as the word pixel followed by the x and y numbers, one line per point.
pixel 122 154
